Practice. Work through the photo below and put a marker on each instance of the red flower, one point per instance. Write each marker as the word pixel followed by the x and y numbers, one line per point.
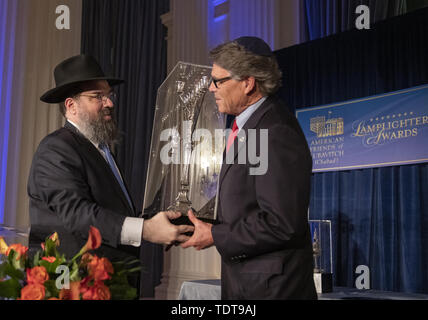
pixel 49 259
pixel 98 291
pixel 17 247
pixel 33 292
pixel 86 258
pixel 37 275
pixel 71 294
pixel 94 240
pixel 100 269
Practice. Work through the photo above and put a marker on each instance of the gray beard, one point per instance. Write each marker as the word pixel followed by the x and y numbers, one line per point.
pixel 99 130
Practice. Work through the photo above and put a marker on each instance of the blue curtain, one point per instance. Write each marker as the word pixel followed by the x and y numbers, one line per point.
pixel 128 39
pixel 326 17
pixel 379 216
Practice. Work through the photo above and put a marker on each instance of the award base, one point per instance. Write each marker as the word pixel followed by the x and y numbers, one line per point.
pixel 184 219
pixel 183 206
pixel 323 282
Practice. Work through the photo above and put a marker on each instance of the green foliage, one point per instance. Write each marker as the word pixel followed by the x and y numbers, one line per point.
pixel 51 289
pixel 7 269
pixel 119 286
pixel 50 248
pixel 10 288
pixel 16 261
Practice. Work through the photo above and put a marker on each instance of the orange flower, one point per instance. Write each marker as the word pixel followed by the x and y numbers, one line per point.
pixel 84 284
pixel 3 246
pixel 86 258
pixel 100 269
pixel 54 237
pixel 71 294
pixel 37 275
pixel 94 239
pixel 99 291
pixel 33 292
pixel 53 298
pixel 17 247
pixel 94 242
pixel 49 259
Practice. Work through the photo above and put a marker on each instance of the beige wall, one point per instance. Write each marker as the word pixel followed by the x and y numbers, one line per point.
pixel 39 47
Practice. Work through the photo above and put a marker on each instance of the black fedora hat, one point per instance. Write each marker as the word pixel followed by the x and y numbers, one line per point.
pixel 69 73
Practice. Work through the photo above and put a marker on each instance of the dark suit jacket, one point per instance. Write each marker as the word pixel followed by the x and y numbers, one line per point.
pixel 263 234
pixel 72 187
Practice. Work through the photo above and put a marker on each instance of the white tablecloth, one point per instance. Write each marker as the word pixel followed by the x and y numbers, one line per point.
pixel 211 290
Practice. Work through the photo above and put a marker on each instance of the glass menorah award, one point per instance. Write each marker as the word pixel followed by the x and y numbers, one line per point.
pixel 187 146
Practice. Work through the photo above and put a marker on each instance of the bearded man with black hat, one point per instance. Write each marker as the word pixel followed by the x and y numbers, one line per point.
pixel 74 182
pixel 262 231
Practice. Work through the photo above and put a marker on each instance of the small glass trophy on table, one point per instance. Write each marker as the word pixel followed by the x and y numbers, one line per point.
pixel 322 255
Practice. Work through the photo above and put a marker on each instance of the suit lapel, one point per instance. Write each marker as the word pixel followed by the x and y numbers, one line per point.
pixel 90 151
pixel 241 139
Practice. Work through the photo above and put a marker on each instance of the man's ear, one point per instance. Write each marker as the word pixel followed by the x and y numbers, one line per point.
pixel 70 106
pixel 250 85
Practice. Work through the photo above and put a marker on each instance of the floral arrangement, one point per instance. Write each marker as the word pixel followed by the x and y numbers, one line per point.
pixel 49 276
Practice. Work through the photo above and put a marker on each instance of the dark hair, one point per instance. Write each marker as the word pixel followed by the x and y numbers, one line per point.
pixel 73 92
pixel 242 63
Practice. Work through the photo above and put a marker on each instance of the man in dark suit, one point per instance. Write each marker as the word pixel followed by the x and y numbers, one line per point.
pixel 262 234
pixel 74 182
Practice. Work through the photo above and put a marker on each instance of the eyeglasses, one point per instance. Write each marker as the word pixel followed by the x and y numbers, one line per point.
pixel 101 97
pixel 222 80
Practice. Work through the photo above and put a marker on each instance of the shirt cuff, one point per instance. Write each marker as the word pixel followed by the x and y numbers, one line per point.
pixel 132 231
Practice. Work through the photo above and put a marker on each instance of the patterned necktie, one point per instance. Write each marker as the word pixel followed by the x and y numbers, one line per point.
pixel 232 135
pixel 113 168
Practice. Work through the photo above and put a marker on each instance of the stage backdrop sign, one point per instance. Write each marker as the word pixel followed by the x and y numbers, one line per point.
pixel 384 130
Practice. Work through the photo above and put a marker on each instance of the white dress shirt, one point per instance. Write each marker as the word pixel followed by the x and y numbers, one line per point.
pixel 242 118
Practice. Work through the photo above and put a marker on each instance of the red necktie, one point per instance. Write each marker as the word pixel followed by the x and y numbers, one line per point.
pixel 232 135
